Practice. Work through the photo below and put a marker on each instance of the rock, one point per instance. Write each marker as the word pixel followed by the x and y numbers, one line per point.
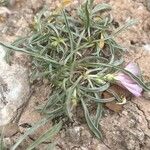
pixel 76 137
pixel 14 89
pixel 30 121
pixel 10 129
pixel 129 129
pixel 144 106
pixel 10 141
pixel 121 131
pixel 73 134
pixel 30 116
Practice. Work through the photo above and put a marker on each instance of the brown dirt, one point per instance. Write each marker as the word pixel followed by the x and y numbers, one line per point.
pixel 127 130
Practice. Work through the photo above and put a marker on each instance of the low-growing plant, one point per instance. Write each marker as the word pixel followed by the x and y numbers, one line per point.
pixel 80 58
pixel 4 2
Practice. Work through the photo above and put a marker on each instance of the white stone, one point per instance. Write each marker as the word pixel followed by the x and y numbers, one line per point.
pixel 14 88
pixel 147 47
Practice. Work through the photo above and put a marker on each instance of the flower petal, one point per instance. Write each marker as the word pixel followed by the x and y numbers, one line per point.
pixel 135 89
pixel 133 68
pixel 124 78
pixel 128 83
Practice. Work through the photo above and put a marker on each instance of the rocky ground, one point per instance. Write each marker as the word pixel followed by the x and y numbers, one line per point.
pixel 126 130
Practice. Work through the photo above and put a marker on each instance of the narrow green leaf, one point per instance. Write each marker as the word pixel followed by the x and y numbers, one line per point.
pixel 87 15
pixel 117 97
pixel 89 121
pixel 98 99
pixel 96 89
pixel 46 136
pixel 68 102
pixel 124 27
pixel 98 114
pixel 101 7
pixel 29 53
pixel 69 31
pixel 29 132
pixel 69 97
pixel 51 146
pixel 53 113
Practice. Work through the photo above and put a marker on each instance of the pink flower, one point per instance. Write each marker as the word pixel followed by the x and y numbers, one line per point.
pixel 127 82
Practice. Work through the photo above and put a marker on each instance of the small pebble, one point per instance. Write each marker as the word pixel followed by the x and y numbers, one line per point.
pixel 147 47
